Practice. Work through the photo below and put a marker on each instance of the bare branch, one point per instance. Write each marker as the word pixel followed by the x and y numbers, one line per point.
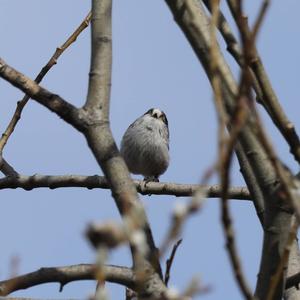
pixel 292 269
pixel 53 102
pixel 226 148
pixel 170 260
pixel 64 275
pixel 100 69
pixel 236 125
pixel 103 146
pixel 281 267
pixel 7 169
pixel 93 122
pixel 261 82
pixel 260 18
pixel 52 61
pixel 91 182
pixel 269 98
pixel 293 281
pixel 191 18
pixel 251 181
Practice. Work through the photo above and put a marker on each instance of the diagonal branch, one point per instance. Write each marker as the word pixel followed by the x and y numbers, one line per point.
pixel 52 61
pixel 53 102
pixel 7 169
pixel 170 260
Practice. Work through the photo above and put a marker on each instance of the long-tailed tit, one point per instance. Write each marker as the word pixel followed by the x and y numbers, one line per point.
pixel 145 145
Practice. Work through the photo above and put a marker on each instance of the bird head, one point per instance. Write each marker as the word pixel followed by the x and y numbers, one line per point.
pixel 157 114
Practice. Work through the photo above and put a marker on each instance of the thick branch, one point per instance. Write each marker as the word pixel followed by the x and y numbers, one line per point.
pixel 6 168
pixel 54 102
pixel 103 146
pixel 101 59
pixel 64 275
pixel 249 177
pixel 292 291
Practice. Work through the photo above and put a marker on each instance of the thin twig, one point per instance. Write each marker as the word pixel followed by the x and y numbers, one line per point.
pixel 52 61
pixel 260 18
pixel 170 260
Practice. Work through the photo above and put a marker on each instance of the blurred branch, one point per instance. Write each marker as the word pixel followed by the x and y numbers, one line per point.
pixel 91 182
pixel 245 167
pixel 261 82
pixel 282 266
pixel 109 235
pixel 235 123
pixel 293 281
pixel 52 61
pixel 64 275
pixel 170 261
pixel 285 187
pixel 67 274
pixel 191 18
pixel 293 292
pixel 269 97
pixel 260 18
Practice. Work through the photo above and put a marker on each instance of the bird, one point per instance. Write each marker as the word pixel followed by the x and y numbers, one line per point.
pixel 145 145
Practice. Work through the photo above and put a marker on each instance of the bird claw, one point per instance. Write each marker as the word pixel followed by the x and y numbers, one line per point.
pixel 150 179
pixel 147 180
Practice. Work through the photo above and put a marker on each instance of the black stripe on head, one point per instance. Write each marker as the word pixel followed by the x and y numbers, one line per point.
pixel 149 112
pixel 164 118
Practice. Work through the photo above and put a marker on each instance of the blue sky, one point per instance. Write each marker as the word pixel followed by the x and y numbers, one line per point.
pixel 153 66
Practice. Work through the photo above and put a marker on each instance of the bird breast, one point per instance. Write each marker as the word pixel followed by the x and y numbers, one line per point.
pixel 145 147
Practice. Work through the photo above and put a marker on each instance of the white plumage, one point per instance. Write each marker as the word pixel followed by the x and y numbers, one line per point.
pixel 145 145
